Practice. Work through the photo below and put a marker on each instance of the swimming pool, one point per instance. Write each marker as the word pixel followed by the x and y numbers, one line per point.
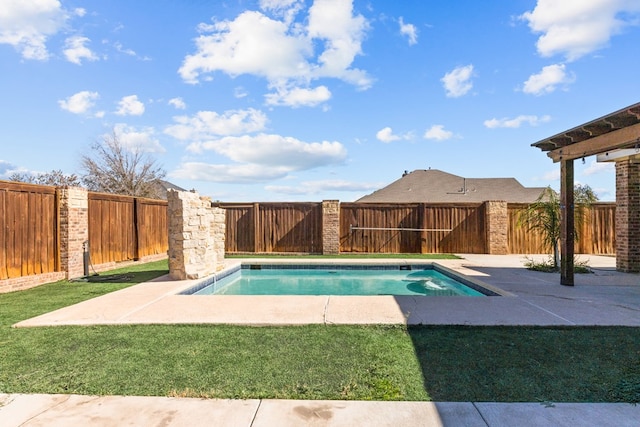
pixel 261 279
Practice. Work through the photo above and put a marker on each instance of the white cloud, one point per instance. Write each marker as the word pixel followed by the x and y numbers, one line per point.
pixel 409 30
pixel 275 150
pixel 177 103
pixel 240 92
pixel 6 168
pixel 515 122
pixel 574 28
pixel 79 103
pixel 228 174
pixel 438 133
pixel 75 50
pixel 138 140
pixel 130 106
pixel 386 135
pixel 280 50
pixel 596 168
pixel 299 97
pixel 26 25
pixel 548 80
pixel 458 82
pixel 317 187
pixel 209 124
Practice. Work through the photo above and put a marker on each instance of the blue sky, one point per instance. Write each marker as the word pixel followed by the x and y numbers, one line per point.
pixel 289 100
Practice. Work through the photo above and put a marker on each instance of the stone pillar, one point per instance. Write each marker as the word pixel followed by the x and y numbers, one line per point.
pixel 218 234
pixel 628 215
pixel 74 230
pixel 193 251
pixel 497 227
pixel 330 227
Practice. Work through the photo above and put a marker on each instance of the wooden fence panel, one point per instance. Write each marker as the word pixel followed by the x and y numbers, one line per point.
pixel 240 227
pixel 596 236
pixel 467 223
pixel 433 228
pixel 519 239
pixel 112 234
pixel 28 230
pixel 153 226
pixel 369 227
pixel 273 227
pixel 289 227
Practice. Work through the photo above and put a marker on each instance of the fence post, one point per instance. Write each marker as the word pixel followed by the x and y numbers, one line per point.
pixel 74 230
pixel 330 227
pixel 194 226
pixel 497 227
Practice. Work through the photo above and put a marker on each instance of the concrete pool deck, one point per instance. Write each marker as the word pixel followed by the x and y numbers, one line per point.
pixel 605 297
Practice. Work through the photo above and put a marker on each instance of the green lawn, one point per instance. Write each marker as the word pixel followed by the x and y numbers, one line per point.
pixel 445 363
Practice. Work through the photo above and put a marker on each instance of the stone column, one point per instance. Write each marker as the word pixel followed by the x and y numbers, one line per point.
pixel 628 215
pixel 74 230
pixel 330 227
pixel 497 227
pixel 193 251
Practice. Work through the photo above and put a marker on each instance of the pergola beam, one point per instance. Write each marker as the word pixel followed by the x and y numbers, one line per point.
pixel 621 138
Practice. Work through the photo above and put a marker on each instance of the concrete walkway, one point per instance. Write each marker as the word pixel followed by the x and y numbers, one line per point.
pixel 605 297
pixel 115 411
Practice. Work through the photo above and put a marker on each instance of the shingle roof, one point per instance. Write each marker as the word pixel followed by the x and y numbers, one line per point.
pixel 435 186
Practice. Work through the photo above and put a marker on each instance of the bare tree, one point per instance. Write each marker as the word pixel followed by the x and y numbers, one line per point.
pixel 116 169
pixel 55 178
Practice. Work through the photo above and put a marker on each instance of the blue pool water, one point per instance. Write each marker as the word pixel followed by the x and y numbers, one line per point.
pixel 336 280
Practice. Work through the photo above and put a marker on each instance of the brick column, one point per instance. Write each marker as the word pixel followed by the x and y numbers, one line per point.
pixel 74 230
pixel 497 227
pixel 194 227
pixel 628 215
pixel 330 227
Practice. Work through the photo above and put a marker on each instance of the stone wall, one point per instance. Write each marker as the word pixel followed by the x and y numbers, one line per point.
pixel 196 236
pixel 628 215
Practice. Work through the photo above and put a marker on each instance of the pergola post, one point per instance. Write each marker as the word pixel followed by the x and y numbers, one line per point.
pixel 567 233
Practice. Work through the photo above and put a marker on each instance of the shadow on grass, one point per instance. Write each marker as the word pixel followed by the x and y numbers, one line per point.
pixel 529 364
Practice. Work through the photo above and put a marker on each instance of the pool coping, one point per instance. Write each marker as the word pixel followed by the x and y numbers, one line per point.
pixel 475 284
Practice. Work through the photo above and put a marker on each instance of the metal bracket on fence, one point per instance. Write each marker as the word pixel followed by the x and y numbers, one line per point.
pixel 352 227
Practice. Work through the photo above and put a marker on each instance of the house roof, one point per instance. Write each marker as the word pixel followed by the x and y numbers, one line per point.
pixel 435 186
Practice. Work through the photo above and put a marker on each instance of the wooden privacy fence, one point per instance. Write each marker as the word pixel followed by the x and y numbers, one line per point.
pixel 28 230
pixel 123 228
pixel 273 227
pixel 412 228
pixel 396 228
pixel 596 235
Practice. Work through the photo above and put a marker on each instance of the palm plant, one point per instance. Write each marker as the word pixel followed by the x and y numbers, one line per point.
pixel 543 216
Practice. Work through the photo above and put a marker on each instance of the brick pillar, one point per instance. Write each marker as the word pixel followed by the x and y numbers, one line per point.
pixel 628 215
pixel 497 227
pixel 74 230
pixel 330 227
pixel 194 227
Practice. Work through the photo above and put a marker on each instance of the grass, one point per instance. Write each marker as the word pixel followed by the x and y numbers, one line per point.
pixel 443 363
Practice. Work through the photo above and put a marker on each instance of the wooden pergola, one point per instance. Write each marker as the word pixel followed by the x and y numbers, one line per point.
pixel 614 137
